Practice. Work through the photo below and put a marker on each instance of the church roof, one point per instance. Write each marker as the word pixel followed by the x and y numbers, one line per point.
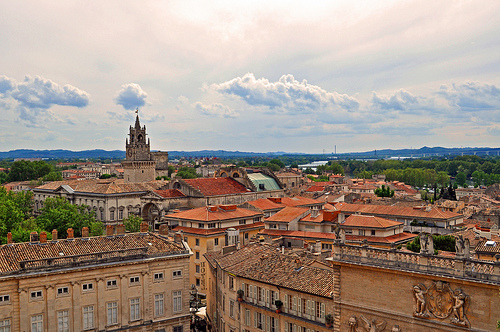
pixel 97 186
pixel 217 186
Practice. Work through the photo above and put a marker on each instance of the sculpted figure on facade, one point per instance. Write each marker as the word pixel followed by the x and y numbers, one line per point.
pixel 462 247
pixel 459 305
pixel 373 326
pixel 396 328
pixel 420 291
pixel 353 324
pixel 426 244
pixel 342 235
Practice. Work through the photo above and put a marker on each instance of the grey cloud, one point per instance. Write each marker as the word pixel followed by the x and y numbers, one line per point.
pixel 402 101
pixel 6 84
pixel 41 93
pixel 286 95
pixel 131 96
pixel 472 95
pixel 216 109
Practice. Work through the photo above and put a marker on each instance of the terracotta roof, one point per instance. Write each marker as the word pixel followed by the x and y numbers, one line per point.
pixel 299 201
pixel 288 214
pixel 332 216
pixel 107 186
pixel 11 255
pixel 357 220
pixel 217 186
pixel 488 246
pixel 298 234
pixel 263 263
pixel 264 204
pixel 212 231
pixel 315 188
pixel 397 211
pixel 214 213
pixel 170 193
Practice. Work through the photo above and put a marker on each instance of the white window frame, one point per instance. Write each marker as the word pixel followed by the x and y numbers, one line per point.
pixel 177 301
pixel 36 295
pixel 88 317
pixel 37 323
pixel 63 321
pixel 159 305
pixel 159 276
pixel 113 283
pixel 135 309
pixel 88 287
pixel 176 274
pixel 134 281
pixel 112 313
pixel 4 299
pixel 5 325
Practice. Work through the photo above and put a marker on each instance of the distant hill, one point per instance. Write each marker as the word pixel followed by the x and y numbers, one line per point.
pixel 385 153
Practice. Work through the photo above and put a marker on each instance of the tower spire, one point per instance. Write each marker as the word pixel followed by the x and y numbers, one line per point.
pixel 137 123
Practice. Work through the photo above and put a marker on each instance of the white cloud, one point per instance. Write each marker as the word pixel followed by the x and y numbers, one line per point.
pixel 216 109
pixel 472 96
pixel 402 101
pixel 131 96
pixel 6 84
pixel 286 95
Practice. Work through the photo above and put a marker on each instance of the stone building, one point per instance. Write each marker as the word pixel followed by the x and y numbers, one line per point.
pixel 140 164
pixel 245 285
pixel 127 282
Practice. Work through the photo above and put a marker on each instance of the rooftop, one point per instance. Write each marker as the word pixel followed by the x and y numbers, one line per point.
pixel 215 213
pixel 288 214
pixel 217 186
pixel 97 186
pixel 357 220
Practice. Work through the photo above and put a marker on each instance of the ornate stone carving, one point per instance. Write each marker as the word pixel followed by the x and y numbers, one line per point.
pixel 396 328
pixel 373 326
pixel 462 247
pixel 353 324
pixel 441 301
pixel 419 291
pixel 342 235
pixel 426 244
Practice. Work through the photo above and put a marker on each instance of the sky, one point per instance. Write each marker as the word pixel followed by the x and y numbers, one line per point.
pixel 261 76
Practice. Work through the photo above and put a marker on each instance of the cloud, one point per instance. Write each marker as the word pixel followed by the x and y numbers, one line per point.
pixel 472 96
pixel 131 96
pixel 286 95
pixel 216 109
pixel 401 100
pixel 40 93
pixel 6 85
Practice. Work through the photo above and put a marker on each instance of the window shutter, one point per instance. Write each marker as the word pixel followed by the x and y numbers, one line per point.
pixel 313 309
pixel 268 298
pixel 294 303
pixel 299 308
pixel 268 325
pixel 286 303
pixel 308 310
pixel 255 319
pixel 244 289
pixel 294 328
pixel 322 315
pixel 286 327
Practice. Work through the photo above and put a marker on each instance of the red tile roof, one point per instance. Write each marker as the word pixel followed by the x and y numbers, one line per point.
pixel 332 216
pixel 298 234
pixel 315 188
pixel 357 220
pixel 212 231
pixel 218 214
pixel 170 193
pixel 107 186
pixel 264 204
pixel 288 214
pixel 300 201
pixel 217 186
pixel 377 239
pixel 433 213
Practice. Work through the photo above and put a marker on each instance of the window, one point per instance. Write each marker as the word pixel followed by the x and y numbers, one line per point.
pixel 216 242
pixel 4 299
pixel 120 214
pixel 361 232
pixel 159 305
pixel 258 321
pixel 111 283
pixel 200 225
pixel 112 313
pixel 177 274
pixel 231 308
pixel 102 215
pixel 256 219
pixel 177 328
pixel 37 323
pixel 246 236
pixel 197 242
pixel 177 301
pixel 197 281
pixel 36 295
pixel 197 268
pixel 211 225
pixel 112 215
pixel 5 325
pixel 326 246
pixel 134 281
pixel 88 317
pixel 135 309
pixel 197 255
pixel 273 226
pixel 373 232
pixel 242 222
pixel 231 283
pixel 63 291
pixel 63 321
pixel 87 287
pixel 247 317
pixel 274 325
pixel 158 276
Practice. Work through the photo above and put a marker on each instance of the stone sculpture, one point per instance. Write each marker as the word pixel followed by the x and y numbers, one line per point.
pixel 419 291
pixel 373 326
pixel 426 244
pixel 460 302
pixel 396 328
pixel 353 324
pixel 462 247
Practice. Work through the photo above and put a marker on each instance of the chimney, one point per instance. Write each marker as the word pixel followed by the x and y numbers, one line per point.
pixel 9 238
pixel 298 264
pixel 33 237
pixel 178 237
pixel 109 230
pixel 144 227
pixel 164 229
pixel 54 235
pixel 71 233
pixel 120 229
pixel 43 237
pixel 85 232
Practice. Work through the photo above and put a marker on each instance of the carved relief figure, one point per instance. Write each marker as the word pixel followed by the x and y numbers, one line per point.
pixel 462 247
pixel 440 299
pixel 460 301
pixel 426 244
pixel 342 235
pixel 373 326
pixel 396 328
pixel 419 292
pixel 353 324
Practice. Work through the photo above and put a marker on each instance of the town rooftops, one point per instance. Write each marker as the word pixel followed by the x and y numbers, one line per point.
pixel 264 263
pixel 288 214
pixel 411 212
pixel 168 193
pixel 297 201
pixel 28 256
pixel 217 186
pixel 263 182
pixel 215 213
pixel 265 204
pixel 96 186
pixel 357 220
pixel 214 231
pixel 322 216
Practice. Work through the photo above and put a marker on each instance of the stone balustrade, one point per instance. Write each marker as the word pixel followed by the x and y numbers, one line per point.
pixel 460 267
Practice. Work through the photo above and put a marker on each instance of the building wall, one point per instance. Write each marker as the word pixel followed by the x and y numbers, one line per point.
pixel 387 295
pixel 22 307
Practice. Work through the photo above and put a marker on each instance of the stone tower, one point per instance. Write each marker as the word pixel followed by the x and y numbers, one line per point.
pixel 140 164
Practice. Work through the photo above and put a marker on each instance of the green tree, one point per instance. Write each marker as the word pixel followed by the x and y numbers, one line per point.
pixel 132 223
pixel 57 213
pixel 187 173
pixel 14 209
pixel 3 177
pixel 384 191
pixel 96 228
pixel 52 176
pixel 277 162
pixel 461 179
pixel 22 231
